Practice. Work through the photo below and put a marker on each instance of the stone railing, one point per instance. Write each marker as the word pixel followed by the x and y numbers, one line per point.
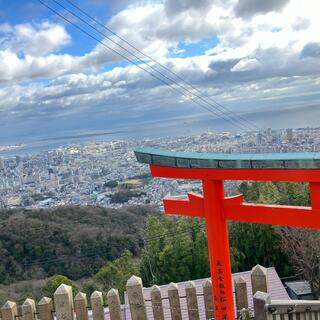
pixel 267 309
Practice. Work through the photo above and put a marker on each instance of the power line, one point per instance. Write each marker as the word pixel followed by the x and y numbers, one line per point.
pixel 95 253
pixel 241 127
pixel 153 68
pixel 155 61
pixel 231 120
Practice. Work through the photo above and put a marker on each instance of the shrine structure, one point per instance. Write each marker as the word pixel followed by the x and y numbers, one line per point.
pixel 213 170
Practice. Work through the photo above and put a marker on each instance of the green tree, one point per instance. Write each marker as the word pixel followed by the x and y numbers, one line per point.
pixel 54 282
pixel 244 190
pixel 288 193
pixel 260 192
pixel 89 287
pixel 155 241
pixel 294 193
pixel 268 193
pixel 116 273
pixel 175 250
pixel 257 244
pixel 200 256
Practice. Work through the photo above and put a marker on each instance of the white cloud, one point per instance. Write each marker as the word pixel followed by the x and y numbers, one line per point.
pixel 28 51
pixel 14 68
pixel 276 55
pixel 153 30
pixel 35 40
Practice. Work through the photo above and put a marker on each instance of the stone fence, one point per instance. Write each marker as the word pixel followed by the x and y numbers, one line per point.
pixel 267 309
pixel 141 303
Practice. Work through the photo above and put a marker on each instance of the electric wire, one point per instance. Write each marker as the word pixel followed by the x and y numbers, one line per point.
pixel 158 63
pixel 91 254
pixel 171 234
pixel 95 253
pixel 82 221
pixel 230 119
pixel 199 95
pixel 122 55
pixel 213 111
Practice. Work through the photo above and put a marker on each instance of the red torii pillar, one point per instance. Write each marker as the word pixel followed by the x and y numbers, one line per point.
pixel 218 209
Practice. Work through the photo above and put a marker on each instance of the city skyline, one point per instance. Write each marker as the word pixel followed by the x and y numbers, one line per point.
pixel 259 59
pixel 106 173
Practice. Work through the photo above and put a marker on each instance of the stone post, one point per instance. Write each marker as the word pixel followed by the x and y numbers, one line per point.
pixel 45 309
pixel 97 305
pixel 28 309
pixel 114 304
pixel 192 301
pixel 80 306
pixel 174 300
pixel 241 294
pixel 63 302
pixel 260 299
pixel 208 300
pixel 9 311
pixel 136 299
pixel 259 279
pixel 156 301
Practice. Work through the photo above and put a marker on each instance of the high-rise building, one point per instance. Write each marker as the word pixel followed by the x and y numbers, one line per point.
pixel 289 135
pixel 259 138
pixel 269 136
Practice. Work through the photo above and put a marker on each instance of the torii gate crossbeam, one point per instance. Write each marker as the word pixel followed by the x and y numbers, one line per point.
pixel 217 209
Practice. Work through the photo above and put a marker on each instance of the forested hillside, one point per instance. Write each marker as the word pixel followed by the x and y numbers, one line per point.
pixel 102 248
pixel 73 241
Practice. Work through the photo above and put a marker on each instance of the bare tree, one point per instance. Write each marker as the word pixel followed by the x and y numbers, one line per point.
pixel 303 249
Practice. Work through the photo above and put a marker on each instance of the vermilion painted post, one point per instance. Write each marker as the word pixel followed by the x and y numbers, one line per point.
pixel 218 244
pixel 315 195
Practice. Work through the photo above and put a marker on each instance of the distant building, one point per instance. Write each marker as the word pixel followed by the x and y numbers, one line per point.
pixel 269 131
pixel 289 135
pixel 14 201
pixel 259 139
pixel 276 138
pixel 269 136
pixel 18 160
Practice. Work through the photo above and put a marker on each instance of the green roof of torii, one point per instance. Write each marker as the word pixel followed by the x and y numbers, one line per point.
pixel 227 160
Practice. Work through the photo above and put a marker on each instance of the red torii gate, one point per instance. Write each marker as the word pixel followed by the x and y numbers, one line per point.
pixel 217 209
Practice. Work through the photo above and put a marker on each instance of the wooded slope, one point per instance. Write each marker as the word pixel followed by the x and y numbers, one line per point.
pixel 74 241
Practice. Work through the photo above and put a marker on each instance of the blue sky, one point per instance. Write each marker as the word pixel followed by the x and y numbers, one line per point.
pixel 258 59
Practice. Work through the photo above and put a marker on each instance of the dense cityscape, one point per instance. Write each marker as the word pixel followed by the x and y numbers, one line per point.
pixel 106 173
